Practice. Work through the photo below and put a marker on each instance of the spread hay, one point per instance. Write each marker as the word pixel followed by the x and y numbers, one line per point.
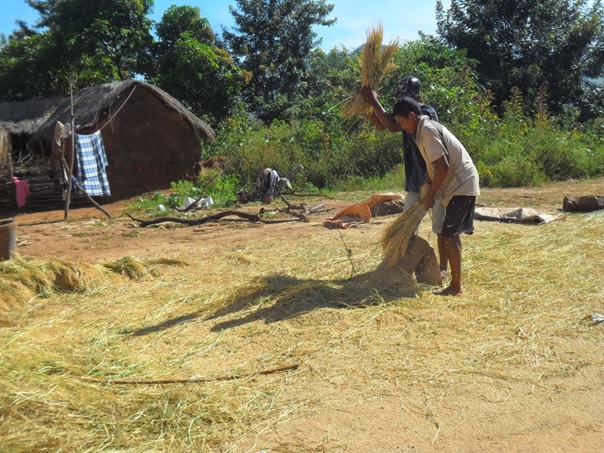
pixel 397 235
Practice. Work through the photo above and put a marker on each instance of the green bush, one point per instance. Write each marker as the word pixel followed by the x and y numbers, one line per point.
pixel 393 181
pixel 508 152
pixel 222 188
pixel 562 157
pixel 514 149
pixel 149 202
pixel 514 171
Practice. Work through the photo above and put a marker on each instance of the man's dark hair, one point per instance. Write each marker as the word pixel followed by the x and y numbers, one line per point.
pixel 405 106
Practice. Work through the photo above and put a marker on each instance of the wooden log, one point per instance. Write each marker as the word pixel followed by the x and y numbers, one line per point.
pixel 586 203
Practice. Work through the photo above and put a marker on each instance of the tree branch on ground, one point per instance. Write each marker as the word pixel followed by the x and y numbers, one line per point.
pixel 214 217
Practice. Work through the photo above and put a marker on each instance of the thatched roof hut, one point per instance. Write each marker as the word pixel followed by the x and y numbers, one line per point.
pixel 26 117
pixel 18 121
pixel 150 138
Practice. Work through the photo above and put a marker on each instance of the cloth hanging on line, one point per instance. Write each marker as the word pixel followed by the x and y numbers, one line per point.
pixel 21 190
pixel 91 161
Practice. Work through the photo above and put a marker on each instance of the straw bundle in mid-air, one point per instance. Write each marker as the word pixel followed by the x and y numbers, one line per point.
pixel 397 235
pixel 375 62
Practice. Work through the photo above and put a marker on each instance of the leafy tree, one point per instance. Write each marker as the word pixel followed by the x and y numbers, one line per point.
pixel 592 102
pixel 332 77
pixel 447 75
pixel 113 33
pixel 99 41
pixel 183 19
pixel 192 68
pixel 524 44
pixel 28 68
pixel 273 40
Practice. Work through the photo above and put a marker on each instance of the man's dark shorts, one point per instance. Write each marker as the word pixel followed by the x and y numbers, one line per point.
pixel 459 217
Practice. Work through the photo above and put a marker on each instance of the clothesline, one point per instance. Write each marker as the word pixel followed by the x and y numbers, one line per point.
pixel 68 132
pixel 118 110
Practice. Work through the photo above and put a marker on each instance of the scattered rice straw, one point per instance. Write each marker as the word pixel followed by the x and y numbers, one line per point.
pixel 375 62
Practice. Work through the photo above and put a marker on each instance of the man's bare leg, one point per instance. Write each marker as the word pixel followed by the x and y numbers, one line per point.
pixel 453 247
pixel 443 259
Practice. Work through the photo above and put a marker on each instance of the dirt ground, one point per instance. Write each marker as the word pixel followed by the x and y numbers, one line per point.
pixel 90 236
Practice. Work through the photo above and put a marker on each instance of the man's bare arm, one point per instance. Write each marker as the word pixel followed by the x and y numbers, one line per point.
pixel 440 173
pixel 387 120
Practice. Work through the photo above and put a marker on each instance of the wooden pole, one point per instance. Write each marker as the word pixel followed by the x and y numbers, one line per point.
pixel 72 160
pixel 70 182
pixel 77 184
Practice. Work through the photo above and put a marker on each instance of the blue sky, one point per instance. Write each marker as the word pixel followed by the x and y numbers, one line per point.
pixel 401 19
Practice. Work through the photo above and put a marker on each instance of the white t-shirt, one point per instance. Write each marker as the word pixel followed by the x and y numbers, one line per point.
pixel 462 177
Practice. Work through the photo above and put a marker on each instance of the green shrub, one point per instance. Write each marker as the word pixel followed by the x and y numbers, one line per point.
pixel 514 171
pixel 563 157
pixel 222 188
pixel 149 202
pixel 393 181
pixel 513 149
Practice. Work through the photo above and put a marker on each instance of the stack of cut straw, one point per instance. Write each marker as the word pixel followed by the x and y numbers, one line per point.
pixel 375 62
pixel 397 235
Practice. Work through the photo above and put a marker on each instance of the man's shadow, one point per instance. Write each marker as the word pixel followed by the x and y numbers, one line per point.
pixel 279 297
pixel 283 297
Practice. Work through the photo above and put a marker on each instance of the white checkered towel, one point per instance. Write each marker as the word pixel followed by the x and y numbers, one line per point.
pixel 91 161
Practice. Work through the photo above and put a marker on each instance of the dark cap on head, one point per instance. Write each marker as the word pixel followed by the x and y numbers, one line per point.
pixel 407 86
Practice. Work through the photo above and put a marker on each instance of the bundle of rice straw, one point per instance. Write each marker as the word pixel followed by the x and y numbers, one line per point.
pixel 397 235
pixel 375 62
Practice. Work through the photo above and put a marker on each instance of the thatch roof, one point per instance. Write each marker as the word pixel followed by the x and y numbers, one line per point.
pixel 26 117
pixel 93 104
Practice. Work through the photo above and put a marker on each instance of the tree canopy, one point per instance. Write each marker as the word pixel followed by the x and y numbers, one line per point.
pixel 272 40
pixel 556 45
pixel 191 67
pixel 100 41
pixel 114 33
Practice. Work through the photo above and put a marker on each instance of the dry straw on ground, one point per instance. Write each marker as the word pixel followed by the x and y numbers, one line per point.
pixel 510 361
pixel 46 277
pixel 22 279
pixel 375 63
pixel 131 267
pixel 397 234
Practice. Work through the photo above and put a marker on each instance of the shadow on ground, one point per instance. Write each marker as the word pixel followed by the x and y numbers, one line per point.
pixel 279 297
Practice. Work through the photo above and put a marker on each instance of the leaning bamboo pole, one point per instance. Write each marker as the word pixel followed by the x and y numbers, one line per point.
pixel 72 160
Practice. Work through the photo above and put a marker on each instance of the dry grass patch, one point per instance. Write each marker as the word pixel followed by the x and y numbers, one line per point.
pixel 362 346
pixel 23 279
pixel 397 234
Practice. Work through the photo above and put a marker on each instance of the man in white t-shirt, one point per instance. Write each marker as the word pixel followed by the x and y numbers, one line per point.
pixel 452 179
pixel 415 167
